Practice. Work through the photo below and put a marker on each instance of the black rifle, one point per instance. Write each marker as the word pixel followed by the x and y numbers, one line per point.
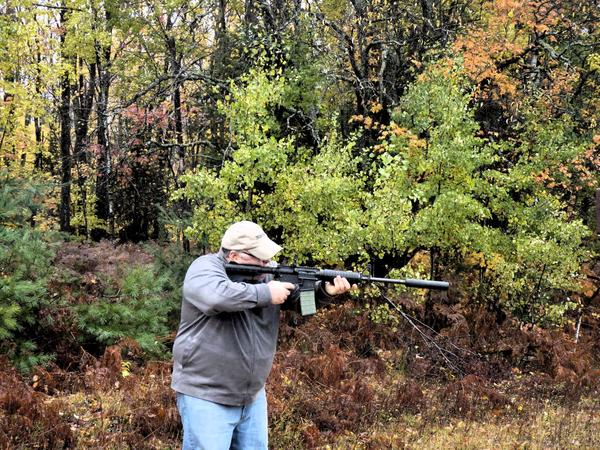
pixel 306 277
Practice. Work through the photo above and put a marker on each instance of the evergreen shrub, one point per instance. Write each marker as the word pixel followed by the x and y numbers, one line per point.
pixel 25 265
pixel 132 307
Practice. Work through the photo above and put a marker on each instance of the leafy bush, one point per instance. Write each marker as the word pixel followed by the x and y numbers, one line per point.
pixel 310 200
pixel 443 189
pixel 431 185
pixel 172 263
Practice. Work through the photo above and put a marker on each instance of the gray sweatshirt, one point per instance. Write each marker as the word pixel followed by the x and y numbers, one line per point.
pixel 227 336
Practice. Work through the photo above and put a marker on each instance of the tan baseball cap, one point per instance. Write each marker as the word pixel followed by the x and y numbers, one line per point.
pixel 249 237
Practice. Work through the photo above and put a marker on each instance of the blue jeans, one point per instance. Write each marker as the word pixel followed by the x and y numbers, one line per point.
pixel 212 426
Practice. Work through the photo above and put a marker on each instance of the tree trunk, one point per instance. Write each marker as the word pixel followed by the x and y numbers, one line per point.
pixel 179 151
pixel 65 144
pixel 250 18
pixel 104 207
pixel 175 69
pixel 38 163
pixel 82 109
pixel 37 121
pixel 83 103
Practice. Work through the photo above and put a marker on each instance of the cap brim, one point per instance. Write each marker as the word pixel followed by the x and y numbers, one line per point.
pixel 266 249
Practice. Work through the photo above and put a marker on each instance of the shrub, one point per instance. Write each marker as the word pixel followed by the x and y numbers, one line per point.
pixel 25 256
pixel 27 418
pixel 136 309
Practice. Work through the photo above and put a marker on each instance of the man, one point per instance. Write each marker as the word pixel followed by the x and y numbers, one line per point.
pixel 226 342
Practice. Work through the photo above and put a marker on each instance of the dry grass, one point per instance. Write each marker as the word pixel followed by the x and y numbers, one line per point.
pixel 552 426
pixel 386 410
pixel 107 420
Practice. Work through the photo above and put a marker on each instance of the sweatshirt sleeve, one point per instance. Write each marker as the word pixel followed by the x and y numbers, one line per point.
pixel 321 296
pixel 209 289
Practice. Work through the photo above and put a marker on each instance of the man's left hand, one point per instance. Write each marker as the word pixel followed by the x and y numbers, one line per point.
pixel 339 286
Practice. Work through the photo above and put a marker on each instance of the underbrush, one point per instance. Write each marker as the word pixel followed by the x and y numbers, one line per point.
pixel 109 404
pixel 359 374
pixel 29 419
pixel 105 293
pixel 341 381
pixel 545 426
pixel 337 382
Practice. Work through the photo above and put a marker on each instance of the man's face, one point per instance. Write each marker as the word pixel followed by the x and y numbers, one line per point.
pixel 241 257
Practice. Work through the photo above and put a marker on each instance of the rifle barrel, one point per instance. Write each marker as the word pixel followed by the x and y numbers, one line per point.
pixel 427 284
pixel 409 282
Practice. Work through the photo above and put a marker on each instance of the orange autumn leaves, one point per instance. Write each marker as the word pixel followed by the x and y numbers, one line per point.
pixel 580 173
pixel 499 48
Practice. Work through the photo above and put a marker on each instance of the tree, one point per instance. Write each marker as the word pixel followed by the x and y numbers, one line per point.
pixel 378 47
pixel 104 202
pixel 533 53
pixel 435 188
pixel 65 135
pixel 308 200
pixel 450 192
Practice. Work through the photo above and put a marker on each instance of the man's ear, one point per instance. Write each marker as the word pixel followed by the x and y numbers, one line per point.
pixel 233 256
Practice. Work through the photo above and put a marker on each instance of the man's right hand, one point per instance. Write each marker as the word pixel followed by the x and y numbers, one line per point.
pixel 280 291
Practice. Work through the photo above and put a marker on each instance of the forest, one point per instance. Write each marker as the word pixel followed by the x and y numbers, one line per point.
pixel 454 140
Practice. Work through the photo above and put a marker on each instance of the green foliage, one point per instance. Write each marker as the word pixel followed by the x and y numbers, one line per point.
pixel 24 260
pixel 19 200
pixel 535 257
pixel 136 310
pixel 462 196
pixel 172 263
pixel 428 171
pixel 317 204
pixel 382 314
pixel 310 201
pixel 25 256
pixel 249 109
pixel 432 185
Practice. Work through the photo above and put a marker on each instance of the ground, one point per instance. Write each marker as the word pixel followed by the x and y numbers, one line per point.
pixel 356 375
